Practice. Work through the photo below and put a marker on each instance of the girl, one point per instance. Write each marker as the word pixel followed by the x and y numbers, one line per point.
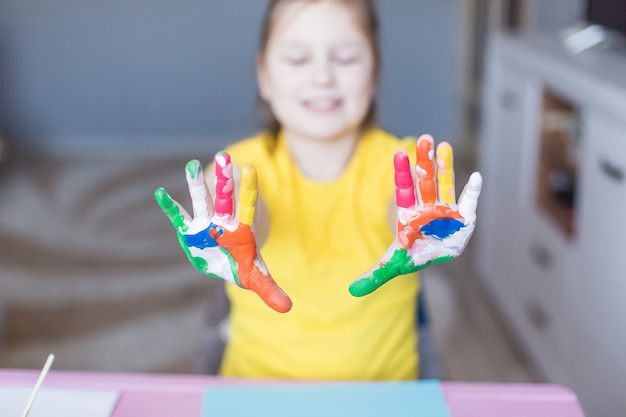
pixel 330 227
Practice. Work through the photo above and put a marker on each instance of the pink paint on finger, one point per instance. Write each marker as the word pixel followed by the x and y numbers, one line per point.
pixel 405 188
pixel 224 185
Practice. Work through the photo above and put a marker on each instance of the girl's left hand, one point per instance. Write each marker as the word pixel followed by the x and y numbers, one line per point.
pixel 218 241
pixel 432 228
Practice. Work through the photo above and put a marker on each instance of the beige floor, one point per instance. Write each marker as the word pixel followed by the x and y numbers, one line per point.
pixel 472 342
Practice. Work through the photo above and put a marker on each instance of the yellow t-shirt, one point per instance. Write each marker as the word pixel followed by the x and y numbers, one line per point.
pixel 322 236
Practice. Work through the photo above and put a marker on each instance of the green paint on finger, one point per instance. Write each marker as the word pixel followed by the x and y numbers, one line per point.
pixel 170 209
pixel 193 168
pixel 400 263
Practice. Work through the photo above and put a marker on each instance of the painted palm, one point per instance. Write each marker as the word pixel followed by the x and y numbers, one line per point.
pixel 432 228
pixel 217 242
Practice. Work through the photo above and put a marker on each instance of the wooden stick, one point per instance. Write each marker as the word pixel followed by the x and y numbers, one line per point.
pixel 42 376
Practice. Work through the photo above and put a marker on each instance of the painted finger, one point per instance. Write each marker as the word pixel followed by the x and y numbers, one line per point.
pixel 393 263
pixel 261 282
pixel 379 274
pixel 200 197
pixel 174 212
pixel 224 185
pixel 468 201
pixel 425 170
pixel 248 194
pixel 252 273
pixel 405 187
pixel 445 173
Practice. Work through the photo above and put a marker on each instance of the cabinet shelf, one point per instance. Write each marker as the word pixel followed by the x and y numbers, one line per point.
pixel 557 176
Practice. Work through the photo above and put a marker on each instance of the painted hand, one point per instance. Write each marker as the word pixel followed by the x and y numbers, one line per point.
pixel 218 243
pixel 432 228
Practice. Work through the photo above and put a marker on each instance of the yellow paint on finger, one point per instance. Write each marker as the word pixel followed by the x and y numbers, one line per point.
pixel 248 194
pixel 445 173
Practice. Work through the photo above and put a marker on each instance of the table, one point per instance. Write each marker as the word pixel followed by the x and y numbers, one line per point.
pixel 164 395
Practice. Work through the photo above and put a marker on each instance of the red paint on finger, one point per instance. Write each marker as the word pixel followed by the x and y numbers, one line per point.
pixel 224 185
pixel 405 188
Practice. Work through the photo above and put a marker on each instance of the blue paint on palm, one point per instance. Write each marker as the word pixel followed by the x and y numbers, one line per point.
pixel 204 239
pixel 441 228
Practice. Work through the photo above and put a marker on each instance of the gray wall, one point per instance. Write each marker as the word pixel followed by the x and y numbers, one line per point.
pixel 131 74
pixel 420 88
pixel 555 15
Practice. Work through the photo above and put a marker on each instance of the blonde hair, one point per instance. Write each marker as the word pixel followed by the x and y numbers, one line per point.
pixel 367 18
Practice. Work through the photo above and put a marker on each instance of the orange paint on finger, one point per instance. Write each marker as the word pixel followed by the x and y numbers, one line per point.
pixel 242 247
pixel 425 170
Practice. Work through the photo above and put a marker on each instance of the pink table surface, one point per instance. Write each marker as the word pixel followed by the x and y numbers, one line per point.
pixel 160 395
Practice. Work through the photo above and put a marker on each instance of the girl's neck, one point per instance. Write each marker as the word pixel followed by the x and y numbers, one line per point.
pixel 321 160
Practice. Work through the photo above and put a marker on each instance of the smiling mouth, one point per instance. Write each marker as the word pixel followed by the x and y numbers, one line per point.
pixel 322 105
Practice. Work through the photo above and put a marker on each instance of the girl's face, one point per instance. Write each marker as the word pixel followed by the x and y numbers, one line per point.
pixel 317 73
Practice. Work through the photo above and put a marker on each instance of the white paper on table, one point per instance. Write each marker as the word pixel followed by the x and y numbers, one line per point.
pixel 56 402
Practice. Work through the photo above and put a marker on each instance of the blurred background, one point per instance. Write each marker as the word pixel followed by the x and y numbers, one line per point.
pixel 101 102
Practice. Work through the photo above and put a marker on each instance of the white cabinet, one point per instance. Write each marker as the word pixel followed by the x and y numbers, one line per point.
pixel 599 344
pixel 501 205
pixel 551 236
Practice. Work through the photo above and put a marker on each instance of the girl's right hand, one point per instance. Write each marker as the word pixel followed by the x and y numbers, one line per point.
pixel 218 243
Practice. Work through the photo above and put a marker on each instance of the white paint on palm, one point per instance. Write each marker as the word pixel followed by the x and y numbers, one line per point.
pixel 425 250
pixel 197 225
pixel 217 261
pixel 229 223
